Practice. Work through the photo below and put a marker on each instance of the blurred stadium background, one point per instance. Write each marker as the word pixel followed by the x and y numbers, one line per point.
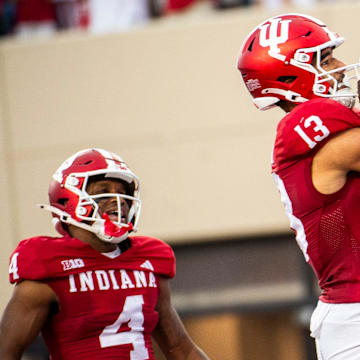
pixel 167 97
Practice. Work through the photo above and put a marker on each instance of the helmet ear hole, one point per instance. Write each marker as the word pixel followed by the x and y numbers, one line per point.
pixel 286 79
pixel 63 201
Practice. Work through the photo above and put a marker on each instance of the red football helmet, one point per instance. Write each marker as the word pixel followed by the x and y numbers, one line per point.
pixel 282 48
pixel 71 204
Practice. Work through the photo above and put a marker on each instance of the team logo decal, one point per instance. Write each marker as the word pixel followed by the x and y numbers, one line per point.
pixel 273 34
pixel 253 84
pixel 72 264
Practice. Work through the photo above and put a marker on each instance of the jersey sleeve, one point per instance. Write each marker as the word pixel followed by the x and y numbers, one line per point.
pixel 308 127
pixel 26 261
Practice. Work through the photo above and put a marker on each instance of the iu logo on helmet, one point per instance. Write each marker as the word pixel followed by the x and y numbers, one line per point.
pixel 273 34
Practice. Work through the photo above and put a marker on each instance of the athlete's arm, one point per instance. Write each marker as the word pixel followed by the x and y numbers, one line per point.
pixel 170 333
pixel 335 159
pixel 24 316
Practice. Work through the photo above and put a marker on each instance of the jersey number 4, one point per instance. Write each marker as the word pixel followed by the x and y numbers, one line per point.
pixel 317 126
pixel 13 268
pixel 133 316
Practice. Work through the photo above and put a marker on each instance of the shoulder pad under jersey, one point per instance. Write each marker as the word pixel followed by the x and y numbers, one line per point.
pixel 30 259
pixel 160 254
pixel 308 127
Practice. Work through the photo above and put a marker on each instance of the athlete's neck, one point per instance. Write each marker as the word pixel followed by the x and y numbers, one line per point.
pixel 91 239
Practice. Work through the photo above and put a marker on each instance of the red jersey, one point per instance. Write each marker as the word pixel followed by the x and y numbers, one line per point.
pixel 106 305
pixel 327 227
pixel 35 11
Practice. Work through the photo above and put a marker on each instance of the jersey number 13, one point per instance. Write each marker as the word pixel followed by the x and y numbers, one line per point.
pixel 316 124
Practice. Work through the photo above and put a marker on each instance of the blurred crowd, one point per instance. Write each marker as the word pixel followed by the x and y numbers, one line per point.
pixel 25 18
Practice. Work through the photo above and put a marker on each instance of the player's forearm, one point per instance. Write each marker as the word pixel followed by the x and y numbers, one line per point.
pixel 9 357
pixel 10 344
pixel 8 354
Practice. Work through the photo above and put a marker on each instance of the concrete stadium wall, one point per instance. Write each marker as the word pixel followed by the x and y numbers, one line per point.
pixel 170 101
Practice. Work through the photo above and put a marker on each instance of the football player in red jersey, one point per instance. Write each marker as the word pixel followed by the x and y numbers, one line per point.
pixel 288 61
pixel 95 292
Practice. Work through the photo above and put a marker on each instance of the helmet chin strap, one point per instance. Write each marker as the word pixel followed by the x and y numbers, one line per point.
pixel 107 231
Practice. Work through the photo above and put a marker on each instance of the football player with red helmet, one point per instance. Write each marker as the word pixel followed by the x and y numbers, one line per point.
pixel 96 291
pixel 288 61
